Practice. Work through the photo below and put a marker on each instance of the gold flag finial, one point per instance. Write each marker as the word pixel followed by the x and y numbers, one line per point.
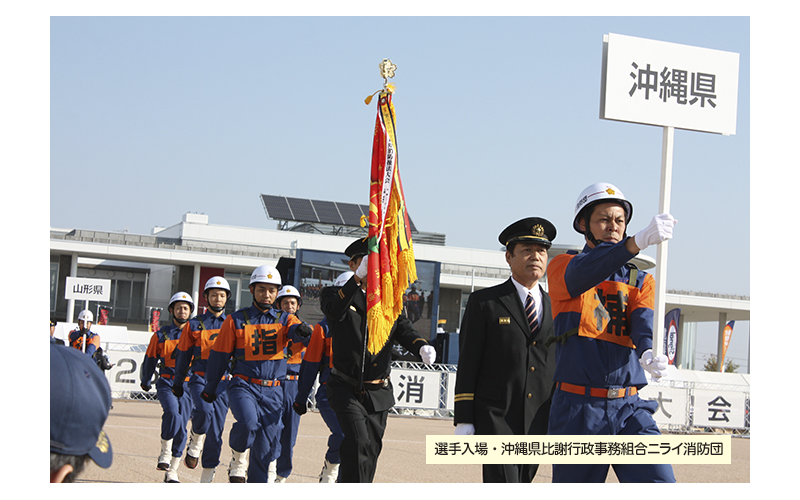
pixel 387 69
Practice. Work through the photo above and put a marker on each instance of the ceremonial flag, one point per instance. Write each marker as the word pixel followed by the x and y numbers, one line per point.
pixel 391 265
pixel 726 339
pixel 671 322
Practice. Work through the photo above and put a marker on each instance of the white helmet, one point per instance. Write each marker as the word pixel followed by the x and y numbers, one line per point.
pixel 182 297
pixel 86 315
pixel 289 291
pixel 217 282
pixel 343 278
pixel 600 192
pixel 266 274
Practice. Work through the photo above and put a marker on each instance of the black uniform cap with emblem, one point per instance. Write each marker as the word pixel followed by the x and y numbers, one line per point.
pixel 357 248
pixel 529 230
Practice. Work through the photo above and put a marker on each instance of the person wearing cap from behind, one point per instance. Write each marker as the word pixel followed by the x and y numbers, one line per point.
pixel 177 410
pixel 194 346
pixel 253 339
pixel 80 398
pixel 505 372
pixel 83 338
pixel 603 315
pixel 359 389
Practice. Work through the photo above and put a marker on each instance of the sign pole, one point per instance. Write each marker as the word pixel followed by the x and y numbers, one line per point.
pixel 659 312
pixel 86 307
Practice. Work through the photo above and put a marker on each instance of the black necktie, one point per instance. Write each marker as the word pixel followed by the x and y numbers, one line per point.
pixel 530 312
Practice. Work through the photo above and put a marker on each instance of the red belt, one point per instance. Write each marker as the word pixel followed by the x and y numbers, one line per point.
pixel 203 374
pixel 292 377
pixel 258 381
pixel 612 393
pixel 167 375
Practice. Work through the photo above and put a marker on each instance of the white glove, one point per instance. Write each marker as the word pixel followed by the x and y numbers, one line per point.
pixel 428 354
pixel 656 367
pixel 361 272
pixel 660 229
pixel 465 430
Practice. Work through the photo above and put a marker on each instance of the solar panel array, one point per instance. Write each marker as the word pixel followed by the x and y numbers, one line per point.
pixel 316 211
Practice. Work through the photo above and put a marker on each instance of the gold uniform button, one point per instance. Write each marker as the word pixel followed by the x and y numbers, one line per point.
pixel 533 369
pixel 530 395
pixel 534 343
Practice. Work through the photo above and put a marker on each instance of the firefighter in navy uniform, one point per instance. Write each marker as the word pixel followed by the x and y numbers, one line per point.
pixel 505 372
pixel 603 315
pixel 177 410
pixel 360 392
pixel 289 300
pixel 317 362
pixel 254 339
pixel 84 330
pixel 194 346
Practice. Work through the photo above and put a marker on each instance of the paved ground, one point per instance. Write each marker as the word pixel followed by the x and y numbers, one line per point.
pixel 133 427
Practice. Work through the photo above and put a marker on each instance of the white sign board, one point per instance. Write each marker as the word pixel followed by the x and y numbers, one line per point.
pixel 451 391
pixel 88 289
pixel 124 375
pixel 719 409
pixel 670 85
pixel 671 401
pixel 416 389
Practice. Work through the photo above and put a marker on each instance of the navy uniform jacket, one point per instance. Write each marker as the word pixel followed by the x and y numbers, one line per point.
pixel 504 382
pixel 346 310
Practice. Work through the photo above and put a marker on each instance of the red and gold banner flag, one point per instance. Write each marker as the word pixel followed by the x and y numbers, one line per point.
pixel 391 265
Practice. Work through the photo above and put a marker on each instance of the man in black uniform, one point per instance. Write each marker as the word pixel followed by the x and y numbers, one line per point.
pixel 359 390
pixel 505 372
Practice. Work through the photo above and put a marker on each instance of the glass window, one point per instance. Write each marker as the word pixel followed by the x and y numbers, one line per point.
pixel 53 285
pixel 137 300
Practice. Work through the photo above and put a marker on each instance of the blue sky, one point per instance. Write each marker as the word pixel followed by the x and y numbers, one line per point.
pixel 497 119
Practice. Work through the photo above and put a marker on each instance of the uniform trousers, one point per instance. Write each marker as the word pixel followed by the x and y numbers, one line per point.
pixel 363 429
pixel 257 411
pixel 329 417
pixel 175 417
pixel 291 423
pixel 576 414
pixel 509 473
pixel 209 419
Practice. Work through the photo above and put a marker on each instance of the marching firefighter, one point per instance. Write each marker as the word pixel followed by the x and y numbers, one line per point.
pixel 194 346
pixel 603 315
pixel 177 409
pixel 317 362
pixel 253 339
